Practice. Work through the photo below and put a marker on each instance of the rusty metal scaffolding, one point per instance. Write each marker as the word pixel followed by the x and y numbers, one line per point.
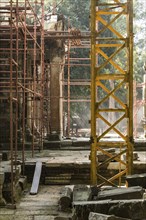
pixel 77 41
pixel 21 76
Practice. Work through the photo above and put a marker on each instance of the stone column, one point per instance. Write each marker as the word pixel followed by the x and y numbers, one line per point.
pixel 2 200
pixel 56 109
pixel 56 57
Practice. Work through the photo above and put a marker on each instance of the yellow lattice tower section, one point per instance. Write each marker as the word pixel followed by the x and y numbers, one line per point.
pixel 111 88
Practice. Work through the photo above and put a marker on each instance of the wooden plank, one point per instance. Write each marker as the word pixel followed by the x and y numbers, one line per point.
pixel 36 178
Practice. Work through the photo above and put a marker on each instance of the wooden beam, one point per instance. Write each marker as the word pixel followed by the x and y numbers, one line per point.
pixel 36 178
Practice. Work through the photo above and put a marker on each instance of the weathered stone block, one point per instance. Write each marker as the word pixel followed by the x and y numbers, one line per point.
pixel 135 192
pixel 5 155
pixel 2 200
pixel 81 193
pixel 81 209
pixel 94 192
pixel 131 209
pixel 23 182
pixel 99 216
pixel 65 200
pixel 62 218
pixel 137 180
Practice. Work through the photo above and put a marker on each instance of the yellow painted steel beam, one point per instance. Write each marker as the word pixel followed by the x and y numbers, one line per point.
pixel 122 79
pixel 109 181
pixel 104 76
pixel 108 45
pixel 130 93
pixel 109 59
pixel 111 156
pixel 109 27
pixel 98 83
pixel 112 126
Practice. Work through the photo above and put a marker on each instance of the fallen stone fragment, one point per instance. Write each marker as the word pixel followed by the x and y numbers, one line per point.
pixel 65 200
pixel 62 218
pixel 99 216
pixel 81 209
pixel 94 192
pixel 135 192
pixel 23 182
pixel 81 193
pixel 132 209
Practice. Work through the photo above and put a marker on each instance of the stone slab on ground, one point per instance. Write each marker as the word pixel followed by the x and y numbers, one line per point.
pixel 132 209
pixel 43 217
pixel 99 216
pixel 51 217
pixel 62 218
pixel 137 180
pixel 81 193
pixel 135 192
pixel 82 209
pixel 21 217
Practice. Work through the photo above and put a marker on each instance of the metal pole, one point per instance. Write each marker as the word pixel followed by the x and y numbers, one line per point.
pixel 144 106
pixel 24 90
pixel 11 101
pixel 130 127
pixel 42 76
pixel 93 95
pixel 68 87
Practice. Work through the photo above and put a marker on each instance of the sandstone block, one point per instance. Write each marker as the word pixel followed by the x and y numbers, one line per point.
pixel 81 193
pixel 137 180
pixel 99 216
pixel 65 200
pixel 135 192
pixel 132 209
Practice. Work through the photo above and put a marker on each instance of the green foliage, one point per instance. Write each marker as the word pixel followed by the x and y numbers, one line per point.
pixel 139 38
pixel 76 15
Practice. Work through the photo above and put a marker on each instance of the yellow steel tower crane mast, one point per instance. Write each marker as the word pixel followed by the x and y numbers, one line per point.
pixel 111 88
